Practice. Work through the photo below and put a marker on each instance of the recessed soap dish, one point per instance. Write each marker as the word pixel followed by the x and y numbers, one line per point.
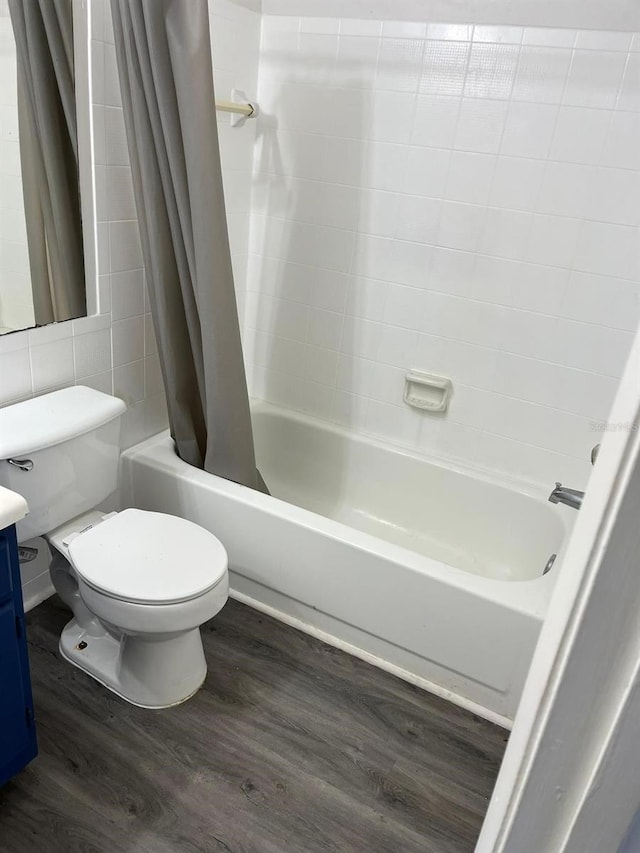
pixel 426 391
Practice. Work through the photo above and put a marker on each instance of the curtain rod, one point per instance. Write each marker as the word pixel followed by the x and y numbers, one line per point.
pixel 240 107
pixel 247 110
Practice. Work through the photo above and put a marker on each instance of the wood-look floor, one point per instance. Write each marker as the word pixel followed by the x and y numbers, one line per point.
pixel 291 746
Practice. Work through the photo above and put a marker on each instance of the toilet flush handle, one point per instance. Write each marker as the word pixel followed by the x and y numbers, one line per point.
pixel 22 464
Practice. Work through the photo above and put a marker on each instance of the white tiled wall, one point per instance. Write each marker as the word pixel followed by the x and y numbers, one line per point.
pixel 16 302
pixel 457 199
pixel 116 351
pixel 235 39
pixel 453 198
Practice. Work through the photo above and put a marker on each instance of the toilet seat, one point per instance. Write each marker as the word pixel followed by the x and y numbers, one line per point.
pixel 148 558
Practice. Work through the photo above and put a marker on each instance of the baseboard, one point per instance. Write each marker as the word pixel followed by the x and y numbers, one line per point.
pixel 36 591
pixel 375 660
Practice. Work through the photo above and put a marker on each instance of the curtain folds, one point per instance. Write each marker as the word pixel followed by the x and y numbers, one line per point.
pixel 43 31
pixel 164 64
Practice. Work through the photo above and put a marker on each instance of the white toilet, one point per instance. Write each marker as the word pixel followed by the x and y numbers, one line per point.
pixel 139 583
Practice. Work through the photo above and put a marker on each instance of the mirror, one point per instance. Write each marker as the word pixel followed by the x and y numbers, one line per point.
pixel 42 268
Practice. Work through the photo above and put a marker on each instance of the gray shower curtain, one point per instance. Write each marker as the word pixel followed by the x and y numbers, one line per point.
pixel 43 31
pixel 164 63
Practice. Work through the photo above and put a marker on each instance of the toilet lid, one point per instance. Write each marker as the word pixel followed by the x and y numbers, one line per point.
pixel 149 558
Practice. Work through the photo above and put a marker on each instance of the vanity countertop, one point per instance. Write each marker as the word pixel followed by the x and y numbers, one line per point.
pixel 13 507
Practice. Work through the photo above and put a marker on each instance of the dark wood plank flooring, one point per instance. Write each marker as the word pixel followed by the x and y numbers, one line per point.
pixel 291 746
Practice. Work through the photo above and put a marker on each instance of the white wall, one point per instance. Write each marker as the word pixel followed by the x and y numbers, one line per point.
pixel 114 350
pixel 457 199
pixel 235 39
pixel 445 198
pixel 16 301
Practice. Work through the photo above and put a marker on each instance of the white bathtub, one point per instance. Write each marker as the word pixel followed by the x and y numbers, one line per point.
pixel 432 572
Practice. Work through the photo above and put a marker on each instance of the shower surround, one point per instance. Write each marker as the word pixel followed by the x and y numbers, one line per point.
pixel 450 198
pixel 453 198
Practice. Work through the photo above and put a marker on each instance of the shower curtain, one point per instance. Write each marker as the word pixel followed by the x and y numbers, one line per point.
pixel 43 31
pixel 164 62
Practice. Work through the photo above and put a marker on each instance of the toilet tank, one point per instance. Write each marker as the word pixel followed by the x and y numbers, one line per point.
pixel 60 451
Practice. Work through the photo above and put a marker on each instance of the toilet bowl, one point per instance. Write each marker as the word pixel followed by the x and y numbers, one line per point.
pixel 139 583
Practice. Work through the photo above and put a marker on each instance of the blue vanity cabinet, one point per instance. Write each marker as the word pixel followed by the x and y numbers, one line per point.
pixel 17 727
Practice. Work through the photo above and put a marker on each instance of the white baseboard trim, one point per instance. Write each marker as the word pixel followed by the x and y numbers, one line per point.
pixel 374 660
pixel 36 591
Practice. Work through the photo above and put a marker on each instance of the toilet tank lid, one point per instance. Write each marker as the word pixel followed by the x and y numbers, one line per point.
pixel 53 418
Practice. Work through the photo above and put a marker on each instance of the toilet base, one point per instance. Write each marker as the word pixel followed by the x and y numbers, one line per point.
pixel 151 673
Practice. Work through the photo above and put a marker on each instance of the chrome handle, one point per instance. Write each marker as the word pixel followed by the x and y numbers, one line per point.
pixel 22 464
